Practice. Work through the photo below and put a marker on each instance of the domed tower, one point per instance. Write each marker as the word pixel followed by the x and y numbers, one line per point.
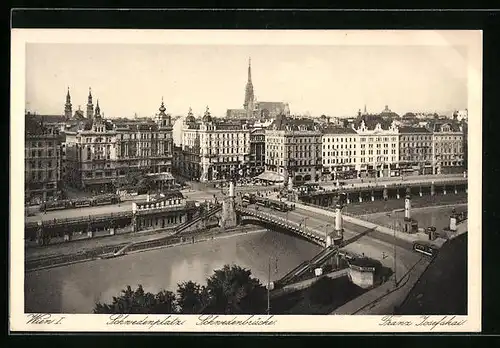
pixel 163 120
pixel 207 117
pixel 68 107
pixel 190 117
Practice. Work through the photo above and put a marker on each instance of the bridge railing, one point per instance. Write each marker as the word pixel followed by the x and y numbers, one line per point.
pixel 306 232
pixel 390 185
pixel 190 223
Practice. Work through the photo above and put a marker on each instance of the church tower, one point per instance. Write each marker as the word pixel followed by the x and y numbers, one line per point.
pixel 67 107
pixel 97 111
pixel 90 106
pixel 249 96
pixel 163 119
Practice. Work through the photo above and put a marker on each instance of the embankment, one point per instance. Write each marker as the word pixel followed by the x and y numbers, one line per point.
pixel 134 247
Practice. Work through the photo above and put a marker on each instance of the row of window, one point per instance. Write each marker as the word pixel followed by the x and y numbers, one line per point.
pixel 292 154
pixel 339 153
pixel 39 175
pixel 339 161
pixel 297 162
pixel 412 138
pixel 39 164
pixel 41 153
pixel 47 143
pixel 340 140
pixel 377 139
pixel 226 151
pixel 293 140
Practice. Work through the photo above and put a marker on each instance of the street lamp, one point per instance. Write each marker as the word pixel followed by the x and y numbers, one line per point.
pixel 393 220
pixel 304 221
pixel 270 286
pixel 326 234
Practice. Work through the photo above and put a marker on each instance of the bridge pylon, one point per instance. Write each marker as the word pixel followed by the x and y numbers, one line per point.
pixel 338 235
pixel 229 218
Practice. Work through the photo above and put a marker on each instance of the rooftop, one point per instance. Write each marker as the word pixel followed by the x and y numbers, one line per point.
pixel 338 130
pixel 413 130
pixel 293 124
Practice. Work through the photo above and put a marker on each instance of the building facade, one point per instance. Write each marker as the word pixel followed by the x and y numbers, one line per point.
pixel 91 155
pixel 339 152
pixel 293 149
pixel 42 161
pixel 378 146
pixel 225 148
pixel 257 161
pixel 148 147
pixel 447 148
pixel 415 151
pixel 104 152
pixel 214 149
pixel 191 161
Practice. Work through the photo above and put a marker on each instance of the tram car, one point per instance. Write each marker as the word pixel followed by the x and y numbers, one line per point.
pixel 55 205
pixel 280 206
pixel 105 199
pixel 248 198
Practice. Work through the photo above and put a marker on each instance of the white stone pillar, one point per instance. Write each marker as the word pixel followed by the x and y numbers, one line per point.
pixel 231 189
pixel 408 207
pixel 453 223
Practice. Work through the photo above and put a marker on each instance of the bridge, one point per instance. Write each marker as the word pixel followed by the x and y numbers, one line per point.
pixel 385 190
pixel 252 216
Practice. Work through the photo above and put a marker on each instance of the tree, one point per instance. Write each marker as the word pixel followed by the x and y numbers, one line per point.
pixel 232 290
pixel 192 298
pixel 138 302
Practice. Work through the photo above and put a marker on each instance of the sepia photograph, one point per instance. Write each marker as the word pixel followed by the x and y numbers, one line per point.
pixel 246 180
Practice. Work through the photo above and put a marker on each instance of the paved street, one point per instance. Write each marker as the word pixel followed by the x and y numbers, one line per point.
pixel 376 244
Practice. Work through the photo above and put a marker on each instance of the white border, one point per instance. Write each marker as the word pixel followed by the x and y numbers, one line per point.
pixel 471 39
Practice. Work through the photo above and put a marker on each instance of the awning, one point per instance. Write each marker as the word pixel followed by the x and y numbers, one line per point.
pixel 270 176
pixel 161 176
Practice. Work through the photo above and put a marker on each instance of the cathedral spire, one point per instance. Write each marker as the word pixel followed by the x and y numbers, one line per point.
pixel 249 95
pixel 97 110
pixel 67 107
pixel 250 70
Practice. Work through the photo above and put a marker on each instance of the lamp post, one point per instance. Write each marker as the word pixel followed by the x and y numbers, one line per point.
pixel 326 234
pixel 393 221
pixel 304 220
pixel 269 287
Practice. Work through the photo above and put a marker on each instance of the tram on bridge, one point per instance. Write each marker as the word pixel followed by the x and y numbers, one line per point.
pixel 105 199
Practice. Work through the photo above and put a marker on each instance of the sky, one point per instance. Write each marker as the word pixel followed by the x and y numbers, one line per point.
pixel 315 80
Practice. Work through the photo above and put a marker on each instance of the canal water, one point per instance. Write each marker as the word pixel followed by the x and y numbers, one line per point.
pixel 76 288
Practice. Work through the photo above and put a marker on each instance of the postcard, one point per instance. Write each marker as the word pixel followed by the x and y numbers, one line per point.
pixel 245 181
